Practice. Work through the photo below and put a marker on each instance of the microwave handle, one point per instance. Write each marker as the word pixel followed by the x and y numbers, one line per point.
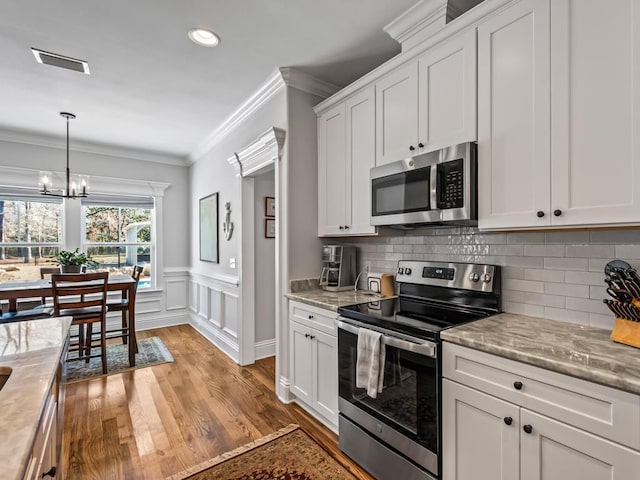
pixel 324 276
pixel 433 187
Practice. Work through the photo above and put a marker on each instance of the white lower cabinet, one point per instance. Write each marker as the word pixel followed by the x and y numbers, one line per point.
pixel 44 461
pixel 314 360
pixel 486 437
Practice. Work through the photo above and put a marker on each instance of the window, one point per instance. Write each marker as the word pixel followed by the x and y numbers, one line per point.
pixel 30 234
pixel 119 234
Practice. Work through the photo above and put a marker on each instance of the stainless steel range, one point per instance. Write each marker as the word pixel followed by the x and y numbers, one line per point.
pixel 397 434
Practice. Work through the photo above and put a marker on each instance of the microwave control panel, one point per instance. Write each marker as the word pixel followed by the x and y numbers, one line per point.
pixel 451 184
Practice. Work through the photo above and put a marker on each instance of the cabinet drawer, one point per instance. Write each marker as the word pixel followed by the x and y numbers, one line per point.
pixel 601 410
pixel 313 317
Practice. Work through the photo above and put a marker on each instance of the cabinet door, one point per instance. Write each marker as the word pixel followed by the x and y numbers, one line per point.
pixel 447 93
pixel 301 362
pixel 477 442
pixel 326 375
pixel 514 117
pixel 555 451
pixel 332 186
pixel 595 113
pixel 361 157
pixel 397 115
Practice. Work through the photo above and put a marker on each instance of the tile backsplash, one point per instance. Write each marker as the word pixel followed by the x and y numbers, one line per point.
pixel 556 275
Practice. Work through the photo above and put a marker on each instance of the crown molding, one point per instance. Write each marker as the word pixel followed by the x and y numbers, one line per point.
pixel 265 151
pixel 285 76
pixel 307 83
pixel 266 92
pixel 31 138
pixel 28 178
pixel 424 18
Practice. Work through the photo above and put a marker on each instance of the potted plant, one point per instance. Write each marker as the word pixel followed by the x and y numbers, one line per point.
pixel 72 262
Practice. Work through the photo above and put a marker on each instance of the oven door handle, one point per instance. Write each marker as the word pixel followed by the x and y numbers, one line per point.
pixel 424 347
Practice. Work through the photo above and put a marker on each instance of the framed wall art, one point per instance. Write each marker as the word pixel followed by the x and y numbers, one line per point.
pixel 209 228
pixel 269 228
pixel 269 207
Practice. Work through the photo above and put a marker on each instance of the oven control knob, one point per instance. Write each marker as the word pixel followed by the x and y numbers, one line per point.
pixel 407 271
pixel 486 278
pixel 400 271
pixel 474 277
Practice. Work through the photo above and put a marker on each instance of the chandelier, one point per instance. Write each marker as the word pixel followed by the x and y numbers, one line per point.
pixel 77 186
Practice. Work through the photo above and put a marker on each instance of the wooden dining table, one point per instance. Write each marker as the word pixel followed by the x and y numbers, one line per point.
pixel 21 289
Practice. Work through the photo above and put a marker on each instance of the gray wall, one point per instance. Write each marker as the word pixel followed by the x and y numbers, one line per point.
pixel 212 173
pixel 556 275
pixel 265 255
pixel 175 236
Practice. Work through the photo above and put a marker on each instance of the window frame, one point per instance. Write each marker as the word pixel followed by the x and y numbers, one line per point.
pixel 153 245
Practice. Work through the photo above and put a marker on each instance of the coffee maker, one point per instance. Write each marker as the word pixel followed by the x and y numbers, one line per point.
pixel 338 267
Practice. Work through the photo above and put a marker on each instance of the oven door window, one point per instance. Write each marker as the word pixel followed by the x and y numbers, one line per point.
pixel 401 193
pixel 409 399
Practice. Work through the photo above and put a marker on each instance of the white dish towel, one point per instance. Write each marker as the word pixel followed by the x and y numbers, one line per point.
pixel 370 363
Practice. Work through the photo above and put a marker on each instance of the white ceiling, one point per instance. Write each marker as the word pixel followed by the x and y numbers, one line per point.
pixel 150 88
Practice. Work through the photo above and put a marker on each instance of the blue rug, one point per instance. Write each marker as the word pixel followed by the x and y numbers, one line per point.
pixel 151 351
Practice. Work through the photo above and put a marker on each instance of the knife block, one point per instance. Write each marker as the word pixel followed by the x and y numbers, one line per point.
pixel 627 332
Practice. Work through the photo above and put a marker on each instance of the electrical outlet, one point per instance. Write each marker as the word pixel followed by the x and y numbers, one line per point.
pixel 367 267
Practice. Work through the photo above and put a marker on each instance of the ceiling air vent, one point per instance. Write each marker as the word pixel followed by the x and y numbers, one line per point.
pixel 61 61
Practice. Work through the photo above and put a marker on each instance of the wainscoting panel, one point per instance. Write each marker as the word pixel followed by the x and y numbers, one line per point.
pixel 216 313
pixel 203 301
pixel 217 307
pixel 176 291
pixel 231 314
pixel 193 296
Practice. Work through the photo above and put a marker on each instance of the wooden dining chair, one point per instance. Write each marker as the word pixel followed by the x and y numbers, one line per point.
pixel 83 296
pixel 122 305
pixel 45 273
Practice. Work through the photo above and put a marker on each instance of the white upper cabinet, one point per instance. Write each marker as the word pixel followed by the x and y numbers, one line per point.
pixel 346 153
pixel 595 112
pixel 513 117
pixel 361 131
pixel 332 182
pixel 429 103
pixel 558 114
pixel 397 115
pixel 447 93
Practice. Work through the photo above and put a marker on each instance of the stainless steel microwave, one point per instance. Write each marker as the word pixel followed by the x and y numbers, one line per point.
pixel 438 188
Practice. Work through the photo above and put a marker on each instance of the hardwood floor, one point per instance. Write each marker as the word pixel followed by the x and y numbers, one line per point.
pixel 153 422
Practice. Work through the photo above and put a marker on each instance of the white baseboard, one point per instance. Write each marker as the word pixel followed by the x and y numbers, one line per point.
pixel 283 390
pixel 265 349
pixel 157 321
pixel 217 337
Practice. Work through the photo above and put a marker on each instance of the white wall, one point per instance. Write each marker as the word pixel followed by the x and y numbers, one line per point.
pixel 265 262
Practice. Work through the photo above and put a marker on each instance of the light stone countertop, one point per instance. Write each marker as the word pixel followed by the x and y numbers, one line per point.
pixel 576 350
pixel 332 300
pixel 32 350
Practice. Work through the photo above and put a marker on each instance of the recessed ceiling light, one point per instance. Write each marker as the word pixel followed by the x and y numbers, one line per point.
pixel 204 37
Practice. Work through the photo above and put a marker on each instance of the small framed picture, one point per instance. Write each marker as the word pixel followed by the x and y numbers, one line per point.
pixel 269 228
pixel 269 207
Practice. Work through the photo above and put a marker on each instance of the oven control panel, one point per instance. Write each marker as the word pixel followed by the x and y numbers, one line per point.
pixel 468 276
pixel 439 272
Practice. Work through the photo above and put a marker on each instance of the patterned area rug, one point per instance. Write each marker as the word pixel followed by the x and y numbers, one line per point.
pixel 288 454
pixel 151 351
